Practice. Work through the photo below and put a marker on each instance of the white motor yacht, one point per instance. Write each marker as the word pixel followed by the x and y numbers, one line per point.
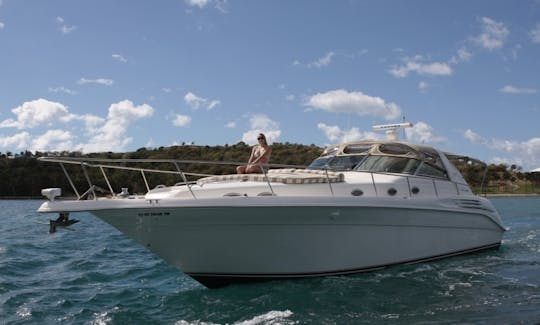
pixel 360 206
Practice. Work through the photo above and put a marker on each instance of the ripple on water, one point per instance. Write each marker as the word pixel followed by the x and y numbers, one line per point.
pixel 96 275
pixel 268 318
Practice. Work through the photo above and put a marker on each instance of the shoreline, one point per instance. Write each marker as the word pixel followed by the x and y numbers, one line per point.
pixel 510 195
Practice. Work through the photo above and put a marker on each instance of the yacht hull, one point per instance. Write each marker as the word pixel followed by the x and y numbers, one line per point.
pixel 242 239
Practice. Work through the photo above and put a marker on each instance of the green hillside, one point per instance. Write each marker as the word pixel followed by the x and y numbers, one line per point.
pixel 22 175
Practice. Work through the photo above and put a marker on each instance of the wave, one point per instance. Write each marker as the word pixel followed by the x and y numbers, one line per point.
pixel 269 318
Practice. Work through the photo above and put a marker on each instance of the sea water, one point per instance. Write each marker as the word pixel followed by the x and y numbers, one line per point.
pixel 92 274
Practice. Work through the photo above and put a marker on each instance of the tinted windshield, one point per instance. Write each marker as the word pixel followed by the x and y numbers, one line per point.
pixel 400 165
pixel 431 170
pixel 336 162
pixel 389 164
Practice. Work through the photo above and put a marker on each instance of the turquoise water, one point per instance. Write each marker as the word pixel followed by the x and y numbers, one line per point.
pixel 95 275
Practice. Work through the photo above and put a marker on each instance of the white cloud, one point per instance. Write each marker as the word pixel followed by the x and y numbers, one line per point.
pixel 44 113
pixel 195 102
pixel 53 140
pixel 62 90
pixel 19 141
pixel 119 58
pixel 336 135
pixel 261 123
pixel 423 86
pixel 39 112
pixel 64 28
pixel 230 125
pixel 515 90
pixel 112 135
pixel 2 25
pixel 181 120
pixel 125 112
pixel 463 55
pixel 523 153
pixel 473 137
pixel 220 5
pixel 493 34
pixel 322 61
pixel 535 34
pixel 91 122
pixel 213 103
pixel 435 69
pixel 418 65
pixel 99 81
pixel 67 29
pixel 342 101
pixel 421 132
pixel 104 134
pixel 197 3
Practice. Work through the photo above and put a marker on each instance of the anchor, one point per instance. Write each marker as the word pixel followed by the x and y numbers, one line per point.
pixel 62 221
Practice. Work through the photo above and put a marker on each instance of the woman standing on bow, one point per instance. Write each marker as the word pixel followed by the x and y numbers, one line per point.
pixel 260 154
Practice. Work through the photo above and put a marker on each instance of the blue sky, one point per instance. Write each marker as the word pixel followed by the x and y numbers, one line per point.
pixel 121 75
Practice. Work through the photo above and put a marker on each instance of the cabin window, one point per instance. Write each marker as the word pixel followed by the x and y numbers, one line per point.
pixel 394 149
pixel 319 163
pixel 432 157
pixel 389 164
pixel 337 163
pixel 345 162
pixel 357 148
pixel 431 171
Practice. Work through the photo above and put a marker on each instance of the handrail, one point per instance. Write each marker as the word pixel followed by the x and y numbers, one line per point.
pixel 266 178
pixel 70 181
pixel 105 163
pixel 107 180
pixel 329 182
pixel 79 160
pixel 89 181
pixel 102 165
pixel 145 181
pixel 185 180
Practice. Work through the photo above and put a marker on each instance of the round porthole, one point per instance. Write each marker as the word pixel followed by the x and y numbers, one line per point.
pixel 415 190
pixel 357 192
pixel 392 191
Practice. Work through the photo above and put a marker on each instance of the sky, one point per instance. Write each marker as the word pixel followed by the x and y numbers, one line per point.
pixel 119 75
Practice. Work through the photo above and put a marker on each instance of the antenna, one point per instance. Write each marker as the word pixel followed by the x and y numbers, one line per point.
pixel 391 129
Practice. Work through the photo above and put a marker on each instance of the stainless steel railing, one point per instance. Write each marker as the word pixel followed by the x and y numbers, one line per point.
pixel 103 164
